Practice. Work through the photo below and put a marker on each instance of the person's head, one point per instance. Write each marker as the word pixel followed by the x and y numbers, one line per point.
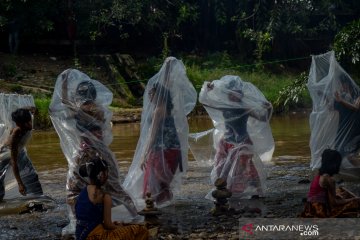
pixel 96 170
pixel 86 91
pixel 160 96
pixel 235 93
pixel 330 162
pixel 22 117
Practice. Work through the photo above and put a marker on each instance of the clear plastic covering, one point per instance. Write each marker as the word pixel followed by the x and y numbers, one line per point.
pixel 335 117
pixel 8 184
pixel 242 137
pixel 80 113
pixel 160 158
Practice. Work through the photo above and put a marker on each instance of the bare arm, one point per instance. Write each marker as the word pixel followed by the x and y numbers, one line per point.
pixel 108 224
pixel 262 116
pixel 352 106
pixel 329 184
pixel 156 121
pixel 14 143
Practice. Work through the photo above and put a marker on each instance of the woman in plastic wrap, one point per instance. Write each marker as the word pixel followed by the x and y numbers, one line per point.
pixel 13 152
pixel 335 117
pixel 161 153
pixel 80 114
pixel 241 116
pixel 347 103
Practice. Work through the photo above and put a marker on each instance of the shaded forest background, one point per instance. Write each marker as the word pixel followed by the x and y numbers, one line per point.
pixel 268 42
pixel 252 30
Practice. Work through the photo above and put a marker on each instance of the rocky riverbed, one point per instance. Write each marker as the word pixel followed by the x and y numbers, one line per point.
pixel 189 216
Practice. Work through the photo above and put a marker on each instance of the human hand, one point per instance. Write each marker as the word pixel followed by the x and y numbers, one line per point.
pixel 337 96
pixel 210 86
pixel 266 104
pixel 22 189
pixel 118 224
pixel 143 165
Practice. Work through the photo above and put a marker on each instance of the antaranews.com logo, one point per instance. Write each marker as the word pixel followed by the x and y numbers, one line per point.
pixel 301 229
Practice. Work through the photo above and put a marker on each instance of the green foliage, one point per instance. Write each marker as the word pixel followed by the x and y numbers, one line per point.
pixel 291 94
pixel 262 40
pixel 347 42
pixel 42 119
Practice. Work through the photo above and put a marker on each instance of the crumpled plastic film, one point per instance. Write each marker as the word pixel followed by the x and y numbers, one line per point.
pixel 80 113
pixel 242 137
pixel 335 116
pixel 160 158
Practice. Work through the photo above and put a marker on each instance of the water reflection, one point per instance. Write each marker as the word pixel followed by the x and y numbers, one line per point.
pixel 291 134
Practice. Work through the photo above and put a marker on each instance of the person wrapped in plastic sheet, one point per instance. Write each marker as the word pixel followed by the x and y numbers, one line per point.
pixel 161 153
pixel 335 117
pixel 80 113
pixel 242 138
pixel 13 155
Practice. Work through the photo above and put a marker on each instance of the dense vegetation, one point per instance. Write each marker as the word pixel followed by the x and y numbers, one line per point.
pixel 267 42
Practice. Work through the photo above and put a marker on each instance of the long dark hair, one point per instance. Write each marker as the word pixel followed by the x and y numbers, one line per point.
pixel 161 95
pixel 330 162
pixel 92 169
pixel 86 91
pixel 21 115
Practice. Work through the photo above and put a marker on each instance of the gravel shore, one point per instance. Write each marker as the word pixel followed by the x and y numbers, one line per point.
pixel 189 216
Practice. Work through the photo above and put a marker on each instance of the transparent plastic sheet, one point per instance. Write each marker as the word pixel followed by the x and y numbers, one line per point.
pixel 335 117
pixel 200 144
pixel 8 184
pixel 242 138
pixel 80 113
pixel 160 158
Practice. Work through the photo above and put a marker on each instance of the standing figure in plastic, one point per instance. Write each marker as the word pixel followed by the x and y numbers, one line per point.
pixel 347 103
pixel 335 117
pixel 13 154
pixel 241 116
pixel 161 154
pixel 93 208
pixel 80 114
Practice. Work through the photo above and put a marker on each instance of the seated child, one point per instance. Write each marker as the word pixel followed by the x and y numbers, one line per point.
pixel 93 209
pixel 322 199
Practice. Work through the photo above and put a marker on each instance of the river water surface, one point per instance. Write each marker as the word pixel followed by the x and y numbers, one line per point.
pixel 291 134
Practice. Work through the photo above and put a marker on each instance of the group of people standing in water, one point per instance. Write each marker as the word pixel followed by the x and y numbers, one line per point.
pixel 241 115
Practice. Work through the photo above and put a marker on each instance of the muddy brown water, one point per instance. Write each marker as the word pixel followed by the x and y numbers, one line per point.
pixel 291 134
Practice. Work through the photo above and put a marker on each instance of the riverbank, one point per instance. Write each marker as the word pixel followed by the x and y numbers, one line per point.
pixel 189 216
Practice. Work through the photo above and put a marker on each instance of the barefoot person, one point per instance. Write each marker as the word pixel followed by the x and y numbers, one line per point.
pixel 13 154
pixel 161 154
pixel 241 116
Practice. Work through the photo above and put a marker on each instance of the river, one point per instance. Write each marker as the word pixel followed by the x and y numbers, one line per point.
pixel 291 134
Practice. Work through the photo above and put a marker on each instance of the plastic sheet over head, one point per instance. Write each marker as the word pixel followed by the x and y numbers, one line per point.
pixel 162 149
pixel 80 113
pixel 335 117
pixel 240 114
pixel 235 100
